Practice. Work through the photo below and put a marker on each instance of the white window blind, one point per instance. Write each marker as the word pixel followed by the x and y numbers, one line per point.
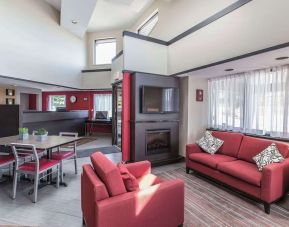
pixel 254 102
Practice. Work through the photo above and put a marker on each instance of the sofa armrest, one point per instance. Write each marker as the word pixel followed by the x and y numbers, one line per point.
pixel 192 148
pixel 139 169
pixel 158 205
pixel 275 181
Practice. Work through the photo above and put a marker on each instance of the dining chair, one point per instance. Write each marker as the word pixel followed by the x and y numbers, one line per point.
pixel 38 168
pixel 6 160
pixel 66 152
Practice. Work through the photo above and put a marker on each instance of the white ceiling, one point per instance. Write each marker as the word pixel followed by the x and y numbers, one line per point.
pixel 260 61
pixel 116 14
pixel 55 3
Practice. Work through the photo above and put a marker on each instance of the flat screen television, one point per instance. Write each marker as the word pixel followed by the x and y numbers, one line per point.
pixel 160 99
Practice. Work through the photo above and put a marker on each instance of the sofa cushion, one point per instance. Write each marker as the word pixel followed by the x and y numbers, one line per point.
pixel 270 155
pixel 209 143
pixel 129 180
pixel 148 180
pixel 108 173
pixel 251 146
pixel 242 170
pixel 232 142
pixel 210 160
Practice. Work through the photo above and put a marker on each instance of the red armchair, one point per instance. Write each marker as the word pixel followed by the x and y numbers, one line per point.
pixel 158 203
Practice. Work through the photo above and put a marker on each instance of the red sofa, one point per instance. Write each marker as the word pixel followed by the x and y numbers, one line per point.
pixel 233 165
pixel 106 203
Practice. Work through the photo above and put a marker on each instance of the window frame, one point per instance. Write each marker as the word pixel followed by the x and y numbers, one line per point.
pixel 49 102
pixel 147 21
pixel 94 49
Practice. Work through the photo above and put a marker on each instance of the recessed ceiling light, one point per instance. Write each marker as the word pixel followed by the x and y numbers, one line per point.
pixel 281 58
pixel 73 21
pixel 228 70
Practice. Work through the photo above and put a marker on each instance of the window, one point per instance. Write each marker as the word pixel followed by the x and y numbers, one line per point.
pixel 103 102
pixel 56 101
pixel 104 51
pixel 255 102
pixel 147 27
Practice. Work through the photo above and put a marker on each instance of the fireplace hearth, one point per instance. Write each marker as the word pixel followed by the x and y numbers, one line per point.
pixel 158 141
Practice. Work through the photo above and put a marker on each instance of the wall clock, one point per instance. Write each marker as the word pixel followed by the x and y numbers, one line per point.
pixel 73 99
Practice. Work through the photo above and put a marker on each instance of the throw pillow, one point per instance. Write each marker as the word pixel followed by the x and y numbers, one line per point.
pixel 209 143
pixel 129 180
pixel 270 155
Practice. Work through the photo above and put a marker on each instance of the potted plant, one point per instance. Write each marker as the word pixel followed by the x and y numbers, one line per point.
pixel 23 133
pixel 41 134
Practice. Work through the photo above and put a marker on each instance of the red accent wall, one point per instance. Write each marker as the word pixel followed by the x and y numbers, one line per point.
pixel 126 117
pixel 32 101
pixel 84 102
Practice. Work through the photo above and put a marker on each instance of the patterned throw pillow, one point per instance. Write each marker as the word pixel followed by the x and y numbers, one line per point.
pixel 209 143
pixel 270 155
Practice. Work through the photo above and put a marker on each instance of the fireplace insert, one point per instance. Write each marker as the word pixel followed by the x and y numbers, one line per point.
pixel 158 141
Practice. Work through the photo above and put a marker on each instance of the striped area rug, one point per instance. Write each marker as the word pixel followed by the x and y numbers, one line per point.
pixel 208 204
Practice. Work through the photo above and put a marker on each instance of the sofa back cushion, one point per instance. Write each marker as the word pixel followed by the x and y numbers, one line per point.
pixel 108 173
pixel 251 146
pixel 232 142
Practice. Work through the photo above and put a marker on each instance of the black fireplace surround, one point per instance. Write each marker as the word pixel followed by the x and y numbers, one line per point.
pixel 158 141
pixel 154 136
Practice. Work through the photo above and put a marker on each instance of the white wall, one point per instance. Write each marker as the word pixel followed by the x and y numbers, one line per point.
pixel 144 56
pixel 193 114
pixel 116 69
pixel 96 80
pixel 33 46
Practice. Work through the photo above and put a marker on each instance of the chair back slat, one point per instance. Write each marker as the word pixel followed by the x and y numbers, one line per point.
pixel 21 151
pixel 69 134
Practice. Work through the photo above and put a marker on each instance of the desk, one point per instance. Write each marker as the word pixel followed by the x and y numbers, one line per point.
pixel 90 123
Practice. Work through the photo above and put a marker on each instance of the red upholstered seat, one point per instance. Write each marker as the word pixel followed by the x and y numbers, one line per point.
pixel 253 146
pixel 210 160
pixel 232 142
pixel 6 159
pixel 61 155
pixel 43 165
pixel 242 170
pixel 148 180
pixel 108 173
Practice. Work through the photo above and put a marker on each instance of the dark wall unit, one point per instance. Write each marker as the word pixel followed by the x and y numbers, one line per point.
pixel 9 120
pixel 55 122
pixel 154 136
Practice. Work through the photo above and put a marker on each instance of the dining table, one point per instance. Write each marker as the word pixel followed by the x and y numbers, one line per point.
pixel 48 144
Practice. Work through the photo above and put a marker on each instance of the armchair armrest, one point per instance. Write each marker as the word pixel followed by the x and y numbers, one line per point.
pixel 139 169
pixel 159 205
pixel 275 181
pixel 92 190
pixel 192 148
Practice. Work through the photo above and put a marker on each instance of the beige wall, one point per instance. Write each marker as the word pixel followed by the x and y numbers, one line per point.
pixel 33 46
pixel 3 95
pixel 194 114
pixel 92 36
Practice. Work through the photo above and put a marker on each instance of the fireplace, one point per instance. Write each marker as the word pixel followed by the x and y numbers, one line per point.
pixel 158 141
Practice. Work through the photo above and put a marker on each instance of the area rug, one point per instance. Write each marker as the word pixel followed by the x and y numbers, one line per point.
pixel 105 150
pixel 86 139
pixel 209 204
